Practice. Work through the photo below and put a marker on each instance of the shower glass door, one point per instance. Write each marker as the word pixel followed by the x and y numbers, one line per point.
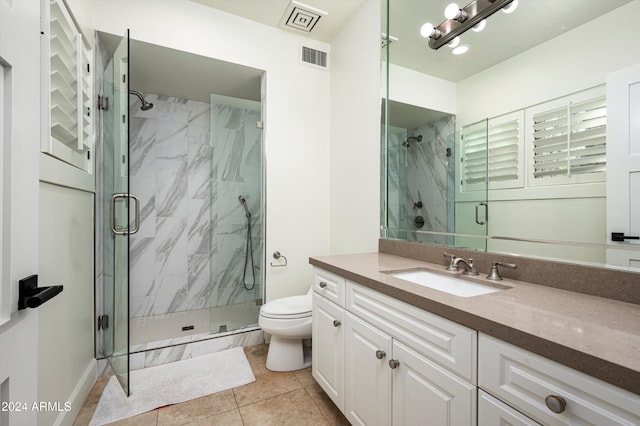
pixel 237 213
pixel 115 204
pixel 472 208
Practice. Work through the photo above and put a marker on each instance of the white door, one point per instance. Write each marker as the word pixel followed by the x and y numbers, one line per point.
pixel 367 374
pixel 623 180
pixel 19 148
pixel 424 393
pixel 328 350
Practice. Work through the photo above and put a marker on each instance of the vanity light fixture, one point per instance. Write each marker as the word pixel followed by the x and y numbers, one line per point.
pixel 429 31
pixel 454 12
pixel 459 20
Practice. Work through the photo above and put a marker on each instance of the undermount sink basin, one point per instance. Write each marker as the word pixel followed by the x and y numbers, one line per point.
pixel 448 284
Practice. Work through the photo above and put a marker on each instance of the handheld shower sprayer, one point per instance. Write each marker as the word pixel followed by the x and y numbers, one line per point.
pixel 243 201
pixel 248 253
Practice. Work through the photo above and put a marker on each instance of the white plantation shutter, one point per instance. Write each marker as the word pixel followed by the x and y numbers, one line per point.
pixel 492 151
pixel 473 148
pixel 568 140
pixel 67 121
pixel 506 150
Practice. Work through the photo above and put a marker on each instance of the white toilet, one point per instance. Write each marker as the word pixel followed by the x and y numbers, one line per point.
pixel 288 321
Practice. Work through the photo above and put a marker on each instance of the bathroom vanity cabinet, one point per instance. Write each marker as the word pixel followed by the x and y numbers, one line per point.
pixel 391 363
pixel 386 362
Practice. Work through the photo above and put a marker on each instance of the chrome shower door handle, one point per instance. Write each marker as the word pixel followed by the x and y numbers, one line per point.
pixel 126 230
pixel 486 214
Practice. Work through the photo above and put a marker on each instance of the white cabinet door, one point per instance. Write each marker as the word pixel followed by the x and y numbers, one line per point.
pixel 367 374
pixel 424 393
pixel 492 412
pixel 328 348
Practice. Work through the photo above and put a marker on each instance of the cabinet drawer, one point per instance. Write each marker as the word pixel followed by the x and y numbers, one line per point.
pixel 446 342
pixel 492 412
pixel 329 285
pixel 524 380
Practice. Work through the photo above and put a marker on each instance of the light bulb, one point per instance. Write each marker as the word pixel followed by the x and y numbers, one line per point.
pixel 513 6
pixel 479 26
pixel 428 30
pixel 463 48
pixel 451 11
pixel 453 43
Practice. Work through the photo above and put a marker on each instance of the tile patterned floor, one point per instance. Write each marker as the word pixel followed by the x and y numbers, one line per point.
pixel 290 398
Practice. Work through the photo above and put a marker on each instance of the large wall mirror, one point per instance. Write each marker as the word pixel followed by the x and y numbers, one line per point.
pixel 528 143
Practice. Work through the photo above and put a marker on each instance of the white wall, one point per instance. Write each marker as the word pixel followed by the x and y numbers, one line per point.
pixel 66 364
pixel 355 134
pixel 297 124
pixel 555 68
pixel 415 88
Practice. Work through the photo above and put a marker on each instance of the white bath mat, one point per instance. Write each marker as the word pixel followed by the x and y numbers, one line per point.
pixel 172 383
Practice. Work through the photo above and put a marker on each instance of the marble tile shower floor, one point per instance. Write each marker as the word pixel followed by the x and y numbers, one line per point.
pixel 290 398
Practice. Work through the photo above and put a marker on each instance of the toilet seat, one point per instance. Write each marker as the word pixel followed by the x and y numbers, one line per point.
pixel 287 308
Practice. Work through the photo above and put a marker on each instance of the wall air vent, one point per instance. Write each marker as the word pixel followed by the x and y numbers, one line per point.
pixel 314 57
pixel 301 17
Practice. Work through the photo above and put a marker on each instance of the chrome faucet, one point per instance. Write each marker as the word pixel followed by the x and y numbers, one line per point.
pixel 454 263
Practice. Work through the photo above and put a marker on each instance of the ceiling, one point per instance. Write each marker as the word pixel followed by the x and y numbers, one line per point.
pixel 271 12
pixel 506 35
pixel 156 69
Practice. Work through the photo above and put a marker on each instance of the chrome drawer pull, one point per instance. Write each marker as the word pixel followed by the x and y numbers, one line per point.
pixel 323 284
pixel 555 403
pixel 337 323
pixel 380 354
pixel 394 363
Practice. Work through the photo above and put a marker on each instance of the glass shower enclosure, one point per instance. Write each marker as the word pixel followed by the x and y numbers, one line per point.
pixel 179 213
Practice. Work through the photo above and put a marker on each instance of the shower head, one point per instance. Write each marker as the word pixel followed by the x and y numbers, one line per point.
pixel 410 139
pixel 146 106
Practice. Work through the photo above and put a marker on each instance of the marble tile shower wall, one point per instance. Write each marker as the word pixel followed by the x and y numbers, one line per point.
pixel 188 179
pixel 421 172
pixel 430 176
pixel 397 182
pixel 237 171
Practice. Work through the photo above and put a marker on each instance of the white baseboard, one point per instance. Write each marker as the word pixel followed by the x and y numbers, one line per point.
pixel 79 395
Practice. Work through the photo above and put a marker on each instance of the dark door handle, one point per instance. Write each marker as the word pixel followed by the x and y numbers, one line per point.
pixel 32 296
pixel 619 236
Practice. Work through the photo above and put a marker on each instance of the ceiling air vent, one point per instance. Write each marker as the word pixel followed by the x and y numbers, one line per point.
pixel 314 57
pixel 301 17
